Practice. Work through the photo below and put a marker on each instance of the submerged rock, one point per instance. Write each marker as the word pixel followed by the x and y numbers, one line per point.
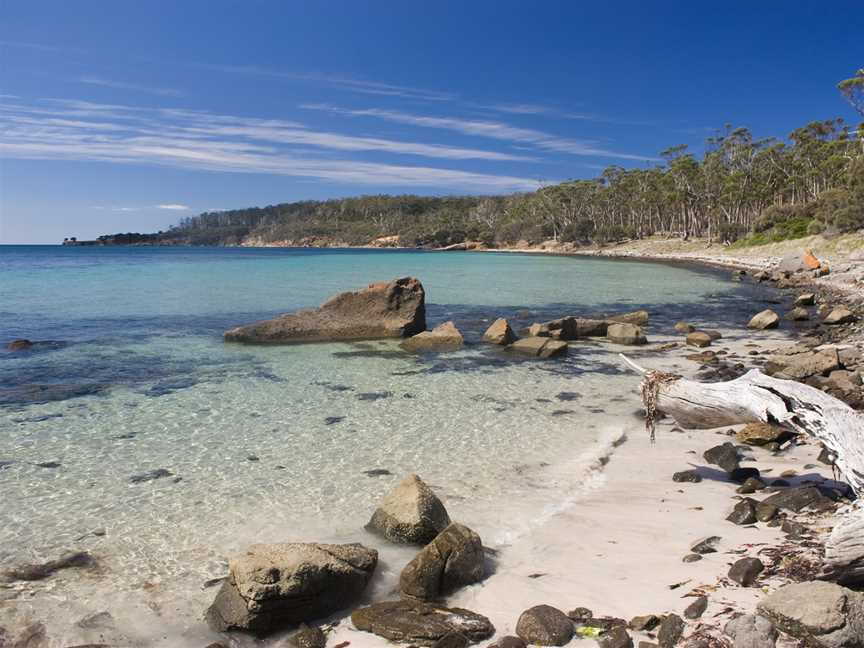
pixel 410 514
pixel 270 587
pixel 444 337
pixel 420 623
pixel 19 345
pixel 545 625
pixel 500 333
pixel 453 559
pixel 382 310
pixel 625 334
pixel 766 319
pixel 151 475
pixel 40 571
pixel 539 347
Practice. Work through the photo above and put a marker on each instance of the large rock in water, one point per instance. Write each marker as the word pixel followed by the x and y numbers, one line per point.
pixel 625 334
pixel 500 333
pixel 419 623
pixel 270 587
pixel 766 319
pixel 410 514
pixel 540 347
pixel 444 337
pixel 383 310
pixel 453 559
pixel 819 613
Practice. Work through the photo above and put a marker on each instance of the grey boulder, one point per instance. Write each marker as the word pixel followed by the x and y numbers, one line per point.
pixel 420 623
pixel 453 559
pixel 820 614
pixel 273 586
pixel 751 631
pixel 545 625
pixel 411 513
pixel 383 310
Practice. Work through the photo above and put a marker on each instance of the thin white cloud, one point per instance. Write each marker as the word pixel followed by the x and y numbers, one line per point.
pixel 134 87
pixel 201 141
pixel 174 207
pixel 486 128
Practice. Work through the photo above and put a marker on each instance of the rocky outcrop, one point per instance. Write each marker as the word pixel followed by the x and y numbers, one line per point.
pixel 415 622
pixel 545 625
pixel 410 514
pixel 625 334
pixel 453 559
pixel 444 337
pixel 500 333
pixel 766 319
pixel 539 347
pixel 573 328
pixel 274 586
pixel 818 613
pixel 383 310
pixel 798 363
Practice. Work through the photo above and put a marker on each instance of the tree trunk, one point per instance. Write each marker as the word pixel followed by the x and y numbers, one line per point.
pixel 799 407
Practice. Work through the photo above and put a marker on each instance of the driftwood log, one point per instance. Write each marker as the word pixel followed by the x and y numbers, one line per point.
pixel 796 406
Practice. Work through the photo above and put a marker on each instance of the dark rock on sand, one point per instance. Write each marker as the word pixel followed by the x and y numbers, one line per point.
pixel 617 637
pixel 691 476
pixel 410 514
pixel 453 559
pixel 420 623
pixel 725 456
pixel 799 499
pixel 691 558
pixel 539 347
pixel 500 333
pixel 40 571
pixel 766 512
pixel 818 613
pixel 697 608
pixel 452 640
pixel 706 546
pixel 751 631
pixel 741 475
pixel 744 512
pixel 444 337
pixel 751 485
pixel 644 623
pixel 150 475
pixel 745 571
pixel 308 637
pixel 671 629
pixel 509 642
pixel 270 587
pixel 545 625
pixel 383 310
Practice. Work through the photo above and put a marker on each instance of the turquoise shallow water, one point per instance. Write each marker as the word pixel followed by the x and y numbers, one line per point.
pixel 271 444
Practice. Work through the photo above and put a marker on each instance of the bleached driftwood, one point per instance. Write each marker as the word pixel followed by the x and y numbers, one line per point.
pixel 799 407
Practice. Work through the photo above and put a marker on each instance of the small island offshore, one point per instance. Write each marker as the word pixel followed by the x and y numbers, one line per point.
pixel 433 401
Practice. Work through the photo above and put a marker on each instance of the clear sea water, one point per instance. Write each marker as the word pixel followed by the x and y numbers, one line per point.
pixel 271 443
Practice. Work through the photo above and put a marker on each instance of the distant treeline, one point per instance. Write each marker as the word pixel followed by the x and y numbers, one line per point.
pixel 741 187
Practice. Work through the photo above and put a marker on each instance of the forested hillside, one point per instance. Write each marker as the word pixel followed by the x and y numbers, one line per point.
pixel 740 187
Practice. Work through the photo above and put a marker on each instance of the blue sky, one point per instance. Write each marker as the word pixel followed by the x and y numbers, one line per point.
pixel 122 116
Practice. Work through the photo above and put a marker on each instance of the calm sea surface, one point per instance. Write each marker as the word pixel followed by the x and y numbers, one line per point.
pixel 271 443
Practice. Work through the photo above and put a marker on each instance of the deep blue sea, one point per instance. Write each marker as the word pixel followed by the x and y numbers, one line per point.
pixel 130 375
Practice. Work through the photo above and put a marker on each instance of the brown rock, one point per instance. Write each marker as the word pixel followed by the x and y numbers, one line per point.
pixel 840 315
pixel 545 625
pixel 625 334
pixel 805 299
pixel 420 623
pixel 539 347
pixel 383 310
pixel 410 514
pixel 500 333
pixel 766 319
pixel 759 434
pixel 19 345
pixel 444 337
pixel 798 315
pixel 639 318
pixel 684 327
pixel 698 339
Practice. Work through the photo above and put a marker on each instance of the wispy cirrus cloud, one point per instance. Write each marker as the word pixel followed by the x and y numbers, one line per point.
pixel 486 128
pixel 174 207
pixel 134 87
pixel 61 129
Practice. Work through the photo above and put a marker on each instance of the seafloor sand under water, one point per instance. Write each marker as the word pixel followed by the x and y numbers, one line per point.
pixel 264 444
